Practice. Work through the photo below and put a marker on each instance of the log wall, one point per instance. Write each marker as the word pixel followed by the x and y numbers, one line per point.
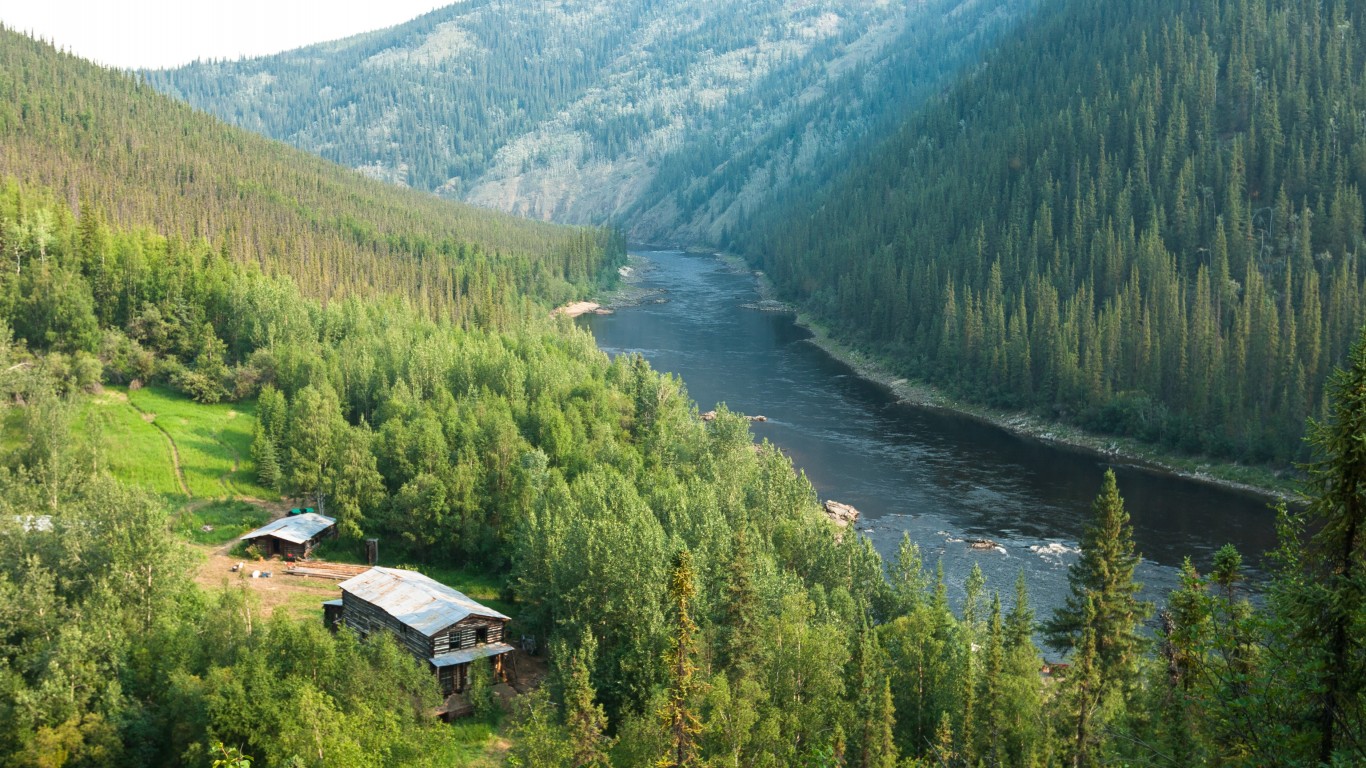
pixel 366 619
pixel 463 634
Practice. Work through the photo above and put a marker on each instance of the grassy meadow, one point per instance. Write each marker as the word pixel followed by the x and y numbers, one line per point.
pixel 135 451
pixel 135 431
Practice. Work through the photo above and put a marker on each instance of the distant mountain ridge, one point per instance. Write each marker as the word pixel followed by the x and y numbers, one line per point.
pixel 670 118
pixel 101 138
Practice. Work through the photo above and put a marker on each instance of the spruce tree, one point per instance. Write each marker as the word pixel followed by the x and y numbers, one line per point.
pixel 1099 622
pixel 1104 576
pixel 942 753
pixel 1021 688
pixel 1020 620
pixel 1324 594
pixel 883 751
pixel 267 463
pixel 741 602
pixel 1185 630
pixel 909 583
pixel 1084 691
pixel 873 708
pixel 991 720
pixel 678 715
pixel 584 718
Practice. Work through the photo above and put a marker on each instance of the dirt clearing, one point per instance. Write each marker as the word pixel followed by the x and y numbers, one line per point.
pixel 299 597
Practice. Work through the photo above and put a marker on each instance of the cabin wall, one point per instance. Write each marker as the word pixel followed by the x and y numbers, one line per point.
pixel 463 634
pixel 367 619
pixel 453 678
pixel 332 616
pixel 269 545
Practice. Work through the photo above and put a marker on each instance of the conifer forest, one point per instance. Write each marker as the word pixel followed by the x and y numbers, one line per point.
pixel 1136 218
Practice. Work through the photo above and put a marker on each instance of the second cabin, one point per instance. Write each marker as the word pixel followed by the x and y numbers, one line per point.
pixel 295 535
pixel 435 623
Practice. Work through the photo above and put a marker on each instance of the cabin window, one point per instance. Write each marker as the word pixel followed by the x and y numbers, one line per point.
pixel 481 635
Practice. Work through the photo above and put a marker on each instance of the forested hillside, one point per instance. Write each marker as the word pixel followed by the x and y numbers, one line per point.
pixel 671 119
pixel 696 606
pixel 1145 217
pixel 139 158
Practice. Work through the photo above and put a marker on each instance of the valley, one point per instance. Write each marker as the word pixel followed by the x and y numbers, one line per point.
pixel 369 304
pixel 940 477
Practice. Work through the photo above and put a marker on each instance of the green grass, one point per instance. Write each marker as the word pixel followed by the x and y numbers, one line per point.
pixel 305 601
pixel 337 550
pixel 135 451
pixel 214 442
pixel 470 744
pixel 229 519
pixel 484 587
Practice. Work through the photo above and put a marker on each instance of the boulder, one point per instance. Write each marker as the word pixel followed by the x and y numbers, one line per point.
pixel 841 514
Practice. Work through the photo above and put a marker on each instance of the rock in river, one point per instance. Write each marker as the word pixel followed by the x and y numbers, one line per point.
pixel 842 515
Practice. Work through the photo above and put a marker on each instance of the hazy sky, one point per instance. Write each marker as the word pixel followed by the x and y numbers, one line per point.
pixel 164 33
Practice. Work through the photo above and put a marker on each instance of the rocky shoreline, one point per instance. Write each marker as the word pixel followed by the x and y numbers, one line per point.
pixel 581 308
pixel 1120 450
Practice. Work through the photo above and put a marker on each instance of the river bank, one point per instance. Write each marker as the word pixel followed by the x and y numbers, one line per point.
pixel 942 478
pixel 1266 482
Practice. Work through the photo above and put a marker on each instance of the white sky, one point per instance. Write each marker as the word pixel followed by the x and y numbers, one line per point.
pixel 166 33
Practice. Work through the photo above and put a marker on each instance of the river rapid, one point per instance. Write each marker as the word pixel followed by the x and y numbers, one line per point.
pixel 940 477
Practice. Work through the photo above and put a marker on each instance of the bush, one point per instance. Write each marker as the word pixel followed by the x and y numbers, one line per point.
pixel 479 689
pixel 1131 414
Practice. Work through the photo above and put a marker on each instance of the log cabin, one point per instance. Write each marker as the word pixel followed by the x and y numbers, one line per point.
pixel 435 623
pixel 296 535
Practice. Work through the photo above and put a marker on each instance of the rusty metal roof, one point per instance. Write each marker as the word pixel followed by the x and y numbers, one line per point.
pixel 466 655
pixel 297 529
pixel 426 605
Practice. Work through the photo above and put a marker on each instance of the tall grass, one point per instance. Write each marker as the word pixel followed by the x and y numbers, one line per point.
pixel 214 441
pixel 135 451
pixel 226 519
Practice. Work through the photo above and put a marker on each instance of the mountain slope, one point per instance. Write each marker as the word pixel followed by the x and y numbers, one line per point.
pixel 100 138
pixel 671 118
pixel 522 459
pixel 1142 216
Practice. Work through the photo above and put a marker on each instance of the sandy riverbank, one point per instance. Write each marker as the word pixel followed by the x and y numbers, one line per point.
pixel 581 308
pixel 577 308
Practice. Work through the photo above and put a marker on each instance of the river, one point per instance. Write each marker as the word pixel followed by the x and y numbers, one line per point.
pixel 940 477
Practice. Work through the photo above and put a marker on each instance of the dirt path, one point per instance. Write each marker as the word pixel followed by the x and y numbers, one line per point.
pixel 175 461
pixel 151 418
